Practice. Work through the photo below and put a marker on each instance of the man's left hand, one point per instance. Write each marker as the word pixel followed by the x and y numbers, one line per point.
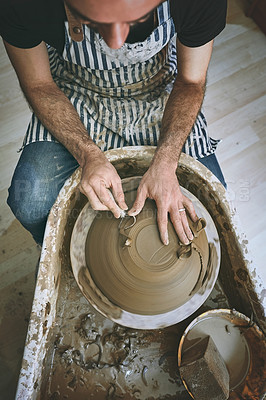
pixel 161 184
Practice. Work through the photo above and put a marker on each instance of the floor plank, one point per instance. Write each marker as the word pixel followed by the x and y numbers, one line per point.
pixel 18 259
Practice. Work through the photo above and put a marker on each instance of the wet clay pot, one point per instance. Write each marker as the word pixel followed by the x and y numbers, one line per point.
pixel 127 274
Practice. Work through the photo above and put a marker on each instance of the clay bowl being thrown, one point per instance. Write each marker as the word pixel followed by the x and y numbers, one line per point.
pixel 241 344
pixel 128 275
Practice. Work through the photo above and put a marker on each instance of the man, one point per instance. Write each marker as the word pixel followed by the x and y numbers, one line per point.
pixel 97 74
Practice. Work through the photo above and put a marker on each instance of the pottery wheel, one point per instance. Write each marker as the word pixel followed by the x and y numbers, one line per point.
pixel 121 265
pixel 135 270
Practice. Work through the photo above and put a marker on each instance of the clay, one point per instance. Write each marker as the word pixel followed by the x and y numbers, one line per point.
pixel 129 264
pixel 93 294
pixel 94 358
pixel 204 371
pixel 151 285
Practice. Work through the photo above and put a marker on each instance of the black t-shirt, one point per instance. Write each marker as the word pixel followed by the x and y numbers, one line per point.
pixel 26 23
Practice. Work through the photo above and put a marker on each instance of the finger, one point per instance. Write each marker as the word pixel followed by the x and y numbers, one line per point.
pixel 185 224
pixel 106 198
pixel 119 195
pixel 177 222
pixel 93 199
pixel 139 203
pixel 162 220
pixel 190 209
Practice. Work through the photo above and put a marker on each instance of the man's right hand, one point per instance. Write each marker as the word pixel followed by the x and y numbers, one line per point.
pixel 98 177
pixel 58 115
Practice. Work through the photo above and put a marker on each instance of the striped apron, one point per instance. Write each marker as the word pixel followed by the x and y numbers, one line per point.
pixel 120 95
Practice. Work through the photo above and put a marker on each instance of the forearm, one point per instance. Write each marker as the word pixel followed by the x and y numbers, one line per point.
pixel 59 116
pixel 180 113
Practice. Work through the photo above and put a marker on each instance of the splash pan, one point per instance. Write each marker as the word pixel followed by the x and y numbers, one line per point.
pixel 74 352
pixel 127 274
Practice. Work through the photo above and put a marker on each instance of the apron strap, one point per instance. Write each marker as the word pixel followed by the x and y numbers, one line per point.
pixel 75 26
pixel 163 12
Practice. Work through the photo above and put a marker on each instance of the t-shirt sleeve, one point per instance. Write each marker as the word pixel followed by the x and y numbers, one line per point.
pixel 198 21
pixel 14 26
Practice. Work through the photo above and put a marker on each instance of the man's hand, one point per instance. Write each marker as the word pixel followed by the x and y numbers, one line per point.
pixel 160 182
pixel 161 185
pixel 98 176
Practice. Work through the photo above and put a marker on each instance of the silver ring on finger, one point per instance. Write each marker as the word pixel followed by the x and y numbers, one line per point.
pixel 181 209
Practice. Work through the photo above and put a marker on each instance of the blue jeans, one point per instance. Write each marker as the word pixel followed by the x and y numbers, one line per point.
pixel 41 172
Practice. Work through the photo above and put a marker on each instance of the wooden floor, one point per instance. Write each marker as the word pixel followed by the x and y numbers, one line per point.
pixel 235 107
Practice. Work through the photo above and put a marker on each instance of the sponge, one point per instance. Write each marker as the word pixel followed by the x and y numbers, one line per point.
pixel 204 371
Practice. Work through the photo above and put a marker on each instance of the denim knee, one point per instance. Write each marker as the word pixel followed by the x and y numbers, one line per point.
pixel 40 173
pixel 27 208
pixel 30 210
pixel 213 165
